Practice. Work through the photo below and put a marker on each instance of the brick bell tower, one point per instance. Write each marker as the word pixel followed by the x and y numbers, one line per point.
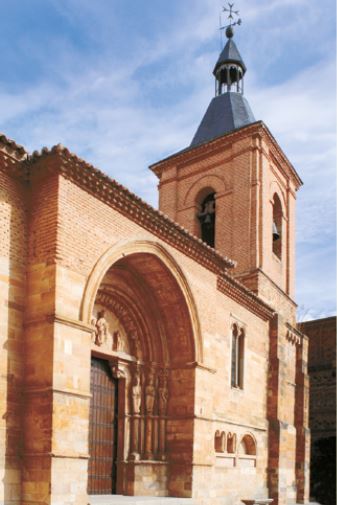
pixel 233 187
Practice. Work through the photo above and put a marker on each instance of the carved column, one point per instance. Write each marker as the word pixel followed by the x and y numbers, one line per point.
pixel 136 395
pixel 162 407
pixel 150 392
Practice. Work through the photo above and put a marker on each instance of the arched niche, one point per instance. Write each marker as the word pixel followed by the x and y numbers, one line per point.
pixel 247 445
pixel 231 443
pixel 219 441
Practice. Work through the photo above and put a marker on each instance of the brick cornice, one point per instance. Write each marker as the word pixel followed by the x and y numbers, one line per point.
pixel 294 336
pixel 11 157
pixel 238 292
pixel 60 160
pixel 11 149
pixel 257 128
pixel 204 149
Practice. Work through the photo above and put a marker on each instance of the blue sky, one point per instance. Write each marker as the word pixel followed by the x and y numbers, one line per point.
pixel 102 76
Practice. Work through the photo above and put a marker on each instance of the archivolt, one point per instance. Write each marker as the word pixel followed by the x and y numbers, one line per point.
pixel 121 251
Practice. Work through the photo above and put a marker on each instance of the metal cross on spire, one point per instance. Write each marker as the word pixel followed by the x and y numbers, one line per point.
pixel 231 11
pixel 232 15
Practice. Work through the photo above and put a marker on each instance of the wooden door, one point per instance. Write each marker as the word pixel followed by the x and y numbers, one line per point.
pixel 102 429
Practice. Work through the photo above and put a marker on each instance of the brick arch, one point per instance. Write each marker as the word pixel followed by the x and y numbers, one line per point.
pixel 275 189
pixel 138 255
pixel 211 183
pixel 247 445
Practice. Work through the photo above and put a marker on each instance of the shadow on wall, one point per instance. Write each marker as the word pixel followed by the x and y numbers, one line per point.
pixel 12 282
pixel 323 471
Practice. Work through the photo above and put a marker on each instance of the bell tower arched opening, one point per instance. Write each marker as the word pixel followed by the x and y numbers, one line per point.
pixel 207 217
pixel 277 227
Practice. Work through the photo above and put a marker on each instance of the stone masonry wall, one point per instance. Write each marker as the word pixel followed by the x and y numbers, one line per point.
pixel 87 227
pixel 13 250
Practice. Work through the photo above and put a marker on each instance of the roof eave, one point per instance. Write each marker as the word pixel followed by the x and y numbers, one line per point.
pixel 158 166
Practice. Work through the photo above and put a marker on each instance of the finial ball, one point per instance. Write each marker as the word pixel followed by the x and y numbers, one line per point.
pixel 229 32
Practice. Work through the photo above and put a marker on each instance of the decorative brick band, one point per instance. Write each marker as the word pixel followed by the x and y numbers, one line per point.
pixel 293 335
pixel 259 128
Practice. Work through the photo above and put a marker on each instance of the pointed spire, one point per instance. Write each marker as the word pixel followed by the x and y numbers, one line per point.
pixel 229 110
pixel 229 55
pixel 230 68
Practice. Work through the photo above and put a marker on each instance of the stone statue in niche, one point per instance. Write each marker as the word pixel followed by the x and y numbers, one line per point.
pixel 136 393
pixel 117 341
pixel 150 392
pixel 163 392
pixel 136 346
pixel 100 334
pixel 93 334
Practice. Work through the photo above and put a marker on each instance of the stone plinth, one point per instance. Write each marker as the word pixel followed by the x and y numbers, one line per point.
pixel 258 501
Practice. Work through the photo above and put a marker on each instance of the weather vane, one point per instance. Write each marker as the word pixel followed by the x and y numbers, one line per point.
pixel 232 14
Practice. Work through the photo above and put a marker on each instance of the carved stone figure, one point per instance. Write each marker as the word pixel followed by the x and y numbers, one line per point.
pixel 101 332
pixel 93 334
pixel 150 392
pixel 162 393
pixel 117 341
pixel 136 349
pixel 136 393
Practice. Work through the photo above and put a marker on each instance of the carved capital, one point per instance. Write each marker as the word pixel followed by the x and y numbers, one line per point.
pixel 116 370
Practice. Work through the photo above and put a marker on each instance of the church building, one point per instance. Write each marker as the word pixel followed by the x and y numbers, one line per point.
pixel 154 353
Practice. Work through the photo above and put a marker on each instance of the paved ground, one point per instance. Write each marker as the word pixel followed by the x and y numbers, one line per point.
pixel 137 500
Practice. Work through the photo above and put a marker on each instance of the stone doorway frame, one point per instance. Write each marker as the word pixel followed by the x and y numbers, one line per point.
pixel 121 252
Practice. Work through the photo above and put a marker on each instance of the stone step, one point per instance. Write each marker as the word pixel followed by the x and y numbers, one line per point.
pixel 138 500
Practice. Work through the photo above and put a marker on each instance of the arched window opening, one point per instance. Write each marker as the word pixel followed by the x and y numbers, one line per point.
pixel 219 441
pixel 206 218
pixel 237 358
pixel 229 78
pixel 231 443
pixel 277 227
pixel 247 446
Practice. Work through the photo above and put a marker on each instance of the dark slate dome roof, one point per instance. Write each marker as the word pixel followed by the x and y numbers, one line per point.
pixel 225 113
pixel 230 54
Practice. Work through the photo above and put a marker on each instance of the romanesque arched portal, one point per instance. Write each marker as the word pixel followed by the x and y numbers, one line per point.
pixel 145 334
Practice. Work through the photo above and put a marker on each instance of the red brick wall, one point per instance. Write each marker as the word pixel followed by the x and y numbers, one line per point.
pixel 13 252
pixel 245 176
